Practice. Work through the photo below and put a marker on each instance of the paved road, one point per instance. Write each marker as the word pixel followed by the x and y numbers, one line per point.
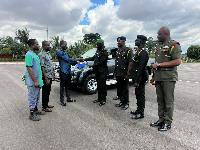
pixel 86 126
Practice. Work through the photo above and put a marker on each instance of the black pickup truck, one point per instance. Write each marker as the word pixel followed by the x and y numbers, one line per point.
pixel 83 76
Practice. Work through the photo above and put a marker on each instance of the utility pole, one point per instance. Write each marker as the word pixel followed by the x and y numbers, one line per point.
pixel 47 32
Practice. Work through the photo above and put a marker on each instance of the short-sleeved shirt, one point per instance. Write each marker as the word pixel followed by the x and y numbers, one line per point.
pixel 65 62
pixel 32 60
pixel 47 63
pixel 122 61
pixel 166 53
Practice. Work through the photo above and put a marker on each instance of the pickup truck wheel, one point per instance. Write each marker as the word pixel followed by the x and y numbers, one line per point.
pixel 90 84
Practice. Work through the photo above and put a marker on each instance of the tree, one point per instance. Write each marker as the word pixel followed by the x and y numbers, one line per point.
pixel 55 44
pixel 22 36
pixel 5 51
pixel 151 45
pixel 91 38
pixel 78 49
pixel 193 52
pixel 16 48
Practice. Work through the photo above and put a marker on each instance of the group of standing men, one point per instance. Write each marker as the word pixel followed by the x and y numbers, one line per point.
pixel 167 56
pixel 40 73
pixel 127 65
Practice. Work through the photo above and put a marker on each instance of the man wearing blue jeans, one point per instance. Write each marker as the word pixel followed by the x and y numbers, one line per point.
pixel 33 79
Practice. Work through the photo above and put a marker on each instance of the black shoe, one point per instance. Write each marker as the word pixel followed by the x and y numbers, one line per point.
pixel 134 112
pixel 138 116
pixel 125 107
pixel 164 127
pixel 95 101
pixel 156 124
pixel 116 98
pixel 102 103
pixel 119 105
pixel 62 103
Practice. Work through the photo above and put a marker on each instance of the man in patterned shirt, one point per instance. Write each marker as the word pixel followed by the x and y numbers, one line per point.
pixel 47 75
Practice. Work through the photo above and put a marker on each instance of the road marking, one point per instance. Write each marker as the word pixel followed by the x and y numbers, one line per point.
pixel 188 81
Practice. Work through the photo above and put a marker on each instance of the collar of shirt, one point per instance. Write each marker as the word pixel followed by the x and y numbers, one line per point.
pixel 45 51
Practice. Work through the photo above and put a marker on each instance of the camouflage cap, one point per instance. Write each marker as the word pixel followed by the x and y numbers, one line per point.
pixel 99 41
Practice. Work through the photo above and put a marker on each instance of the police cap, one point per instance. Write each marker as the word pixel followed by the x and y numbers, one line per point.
pixel 121 38
pixel 142 37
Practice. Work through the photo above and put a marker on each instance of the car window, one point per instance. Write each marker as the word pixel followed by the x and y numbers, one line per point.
pixel 89 53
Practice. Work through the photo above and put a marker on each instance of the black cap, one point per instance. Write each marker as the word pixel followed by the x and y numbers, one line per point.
pixel 142 37
pixel 121 38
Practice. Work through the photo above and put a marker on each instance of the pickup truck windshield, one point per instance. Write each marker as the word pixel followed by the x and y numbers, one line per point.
pixel 89 53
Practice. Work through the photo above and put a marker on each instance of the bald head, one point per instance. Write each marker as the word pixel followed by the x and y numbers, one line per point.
pixel 163 34
pixel 165 30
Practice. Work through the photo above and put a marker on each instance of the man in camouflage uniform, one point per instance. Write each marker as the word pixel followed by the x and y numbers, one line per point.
pixel 139 75
pixel 122 71
pixel 167 58
pixel 100 69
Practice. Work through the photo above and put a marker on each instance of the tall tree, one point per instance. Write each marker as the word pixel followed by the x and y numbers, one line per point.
pixel 22 35
pixel 91 38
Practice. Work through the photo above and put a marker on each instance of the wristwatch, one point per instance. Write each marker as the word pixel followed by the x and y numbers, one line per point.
pixel 158 65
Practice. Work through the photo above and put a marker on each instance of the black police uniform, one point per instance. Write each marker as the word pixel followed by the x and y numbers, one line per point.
pixel 139 75
pixel 100 69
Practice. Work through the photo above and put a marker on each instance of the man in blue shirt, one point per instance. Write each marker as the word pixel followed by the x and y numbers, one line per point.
pixel 65 71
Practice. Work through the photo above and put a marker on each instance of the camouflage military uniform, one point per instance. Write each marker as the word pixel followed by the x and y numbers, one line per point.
pixel 165 79
pixel 121 67
pixel 100 69
pixel 139 75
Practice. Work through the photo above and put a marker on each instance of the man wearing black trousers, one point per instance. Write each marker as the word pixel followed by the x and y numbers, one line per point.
pixel 65 72
pixel 47 75
pixel 139 75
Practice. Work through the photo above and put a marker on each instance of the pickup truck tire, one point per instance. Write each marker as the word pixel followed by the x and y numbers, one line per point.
pixel 90 84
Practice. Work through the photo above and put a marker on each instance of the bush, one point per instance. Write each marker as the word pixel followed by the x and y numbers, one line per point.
pixel 5 51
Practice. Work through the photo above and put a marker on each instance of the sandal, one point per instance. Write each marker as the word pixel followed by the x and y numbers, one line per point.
pixel 47 110
pixel 71 100
pixel 50 106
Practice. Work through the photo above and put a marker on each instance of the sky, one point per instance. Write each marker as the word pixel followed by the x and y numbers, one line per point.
pixel 72 19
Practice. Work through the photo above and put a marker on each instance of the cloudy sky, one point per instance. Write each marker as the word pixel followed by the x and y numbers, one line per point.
pixel 71 19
